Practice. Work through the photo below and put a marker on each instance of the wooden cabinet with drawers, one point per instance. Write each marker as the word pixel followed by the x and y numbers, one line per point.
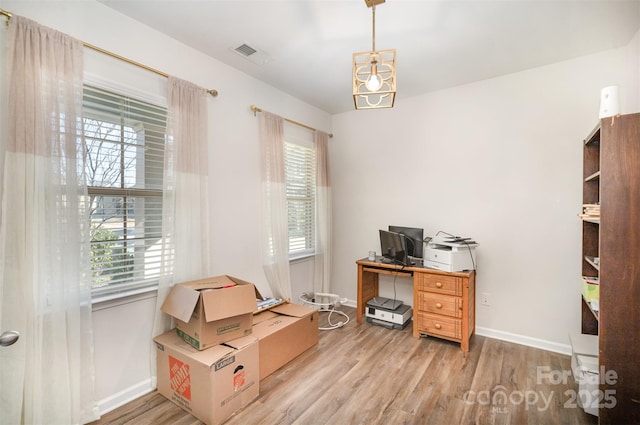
pixel 444 305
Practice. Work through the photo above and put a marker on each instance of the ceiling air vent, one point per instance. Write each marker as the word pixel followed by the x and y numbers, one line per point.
pixel 246 50
pixel 252 54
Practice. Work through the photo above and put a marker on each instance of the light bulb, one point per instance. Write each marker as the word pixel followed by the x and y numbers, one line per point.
pixel 373 82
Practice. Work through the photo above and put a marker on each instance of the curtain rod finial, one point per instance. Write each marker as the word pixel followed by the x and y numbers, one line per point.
pixel 213 92
pixel 6 14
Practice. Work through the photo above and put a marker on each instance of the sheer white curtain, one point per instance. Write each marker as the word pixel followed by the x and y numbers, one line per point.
pixel 275 237
pixel 45 286
pixel 322 272
pixel 185 205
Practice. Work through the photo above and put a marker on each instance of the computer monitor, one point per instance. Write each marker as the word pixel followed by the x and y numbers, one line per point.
pixel 414 237
pixel 394 247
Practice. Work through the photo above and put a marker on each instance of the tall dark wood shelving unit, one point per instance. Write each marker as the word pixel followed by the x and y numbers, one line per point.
pixel 612 179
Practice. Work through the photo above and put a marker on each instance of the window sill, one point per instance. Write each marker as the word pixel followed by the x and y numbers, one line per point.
pixel 301 258
pixel 104 301
pixel 108 300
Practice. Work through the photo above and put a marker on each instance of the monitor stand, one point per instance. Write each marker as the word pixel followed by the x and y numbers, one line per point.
pixel 385 260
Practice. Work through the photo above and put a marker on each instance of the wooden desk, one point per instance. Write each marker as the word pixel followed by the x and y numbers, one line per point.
pixel 444 303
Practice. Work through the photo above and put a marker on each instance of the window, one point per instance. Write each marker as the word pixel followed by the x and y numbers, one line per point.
pixel 124 155
pixel 300 178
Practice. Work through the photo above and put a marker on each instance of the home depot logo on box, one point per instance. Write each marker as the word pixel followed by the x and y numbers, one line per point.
pixel 179 377
pixel 210 384
pixel 239 378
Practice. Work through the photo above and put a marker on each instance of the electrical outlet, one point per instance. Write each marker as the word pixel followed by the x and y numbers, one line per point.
pixel 485 299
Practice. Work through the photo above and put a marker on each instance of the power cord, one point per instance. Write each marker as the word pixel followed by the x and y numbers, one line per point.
pixel 395 276
pixel 330 307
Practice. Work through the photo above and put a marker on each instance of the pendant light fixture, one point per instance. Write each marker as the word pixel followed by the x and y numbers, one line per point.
pixel 374 73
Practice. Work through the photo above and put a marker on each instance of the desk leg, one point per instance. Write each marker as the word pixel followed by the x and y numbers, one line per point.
pixel 464 345
pixel 367 289
pixel 469 313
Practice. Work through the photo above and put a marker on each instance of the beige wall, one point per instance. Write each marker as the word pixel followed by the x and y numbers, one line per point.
pixel 498 160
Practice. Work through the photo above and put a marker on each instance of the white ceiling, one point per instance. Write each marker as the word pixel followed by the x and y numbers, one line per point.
pixel 307 45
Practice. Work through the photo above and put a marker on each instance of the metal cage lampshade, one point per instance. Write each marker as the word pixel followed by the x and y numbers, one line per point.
pixel 374 79
pixel 374 72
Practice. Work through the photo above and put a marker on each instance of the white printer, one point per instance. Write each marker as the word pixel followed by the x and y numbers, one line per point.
pixel 450 253
pixel 392 314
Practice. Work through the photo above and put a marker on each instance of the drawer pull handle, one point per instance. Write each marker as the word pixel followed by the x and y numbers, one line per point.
pixel 438 326
pixel 438 285
pixel 438 305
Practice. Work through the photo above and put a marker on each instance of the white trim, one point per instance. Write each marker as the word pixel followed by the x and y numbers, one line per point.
pixel 301 258
pixel 525 340
pixel 125 396
pixel 511 337
pixel 113 299
pixel 113 74
pixel 298 135
pixel 124 89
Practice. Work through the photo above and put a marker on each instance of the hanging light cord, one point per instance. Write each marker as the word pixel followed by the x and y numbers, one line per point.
pixel 373 43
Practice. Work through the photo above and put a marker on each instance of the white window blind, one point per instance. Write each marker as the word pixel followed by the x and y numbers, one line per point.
pixel 300 185
pixel 125 154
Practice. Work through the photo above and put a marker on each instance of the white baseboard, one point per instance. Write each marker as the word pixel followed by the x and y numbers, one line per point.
pixel 511 337
pixel 525 340
pixel 125 396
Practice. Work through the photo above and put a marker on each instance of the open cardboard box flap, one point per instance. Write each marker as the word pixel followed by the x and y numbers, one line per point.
pixel 220 303
pixel 285 309
pixel 263 316
pixel 289 309
pixel 180 302
pixel 222 296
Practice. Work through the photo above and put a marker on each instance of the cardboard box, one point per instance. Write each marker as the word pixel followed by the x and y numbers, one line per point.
pixel 284 332
pixel 212 384
pixel 212 311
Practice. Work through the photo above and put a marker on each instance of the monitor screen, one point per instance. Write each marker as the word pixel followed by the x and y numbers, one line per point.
pixel 414 239
pixel 394 247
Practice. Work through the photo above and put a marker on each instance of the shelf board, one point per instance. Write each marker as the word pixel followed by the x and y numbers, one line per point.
pixel 593 176
pixel 595 220
pixel 595 313
pixel 591 261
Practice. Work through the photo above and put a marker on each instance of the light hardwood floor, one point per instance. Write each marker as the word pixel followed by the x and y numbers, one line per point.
pixel 372 375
